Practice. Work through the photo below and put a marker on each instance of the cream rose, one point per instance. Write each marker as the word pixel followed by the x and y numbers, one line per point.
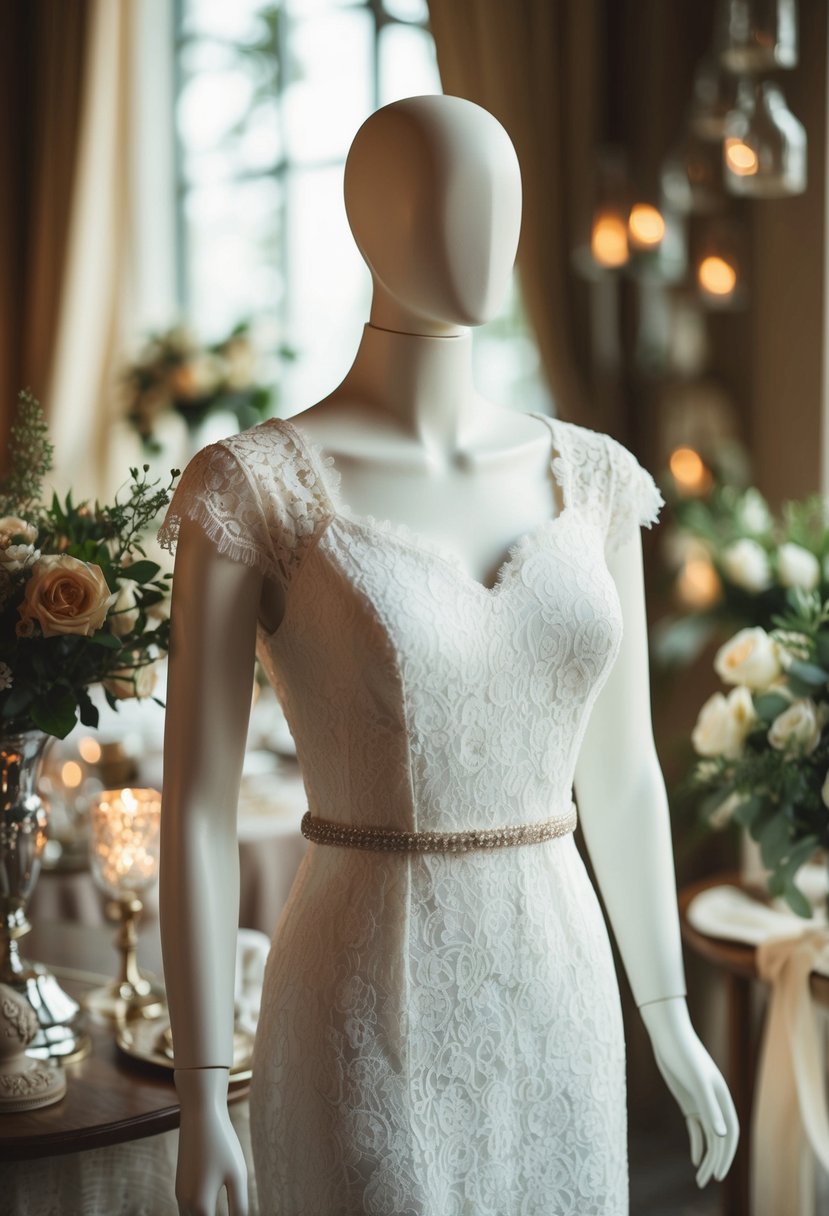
pixel 64 595
pixel 723 724
pixel 13 525
pixel 797 567
pixel 824 790
pixel 128 682
pixel 798 726
pixel 746 564
pixel 750 657
pixel 123 615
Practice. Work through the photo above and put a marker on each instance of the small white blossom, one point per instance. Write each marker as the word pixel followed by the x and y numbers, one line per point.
pixel 747 565
pixel 751 657
pixel 754 512
pixel 798 726
pixel 797 567
pixel 724 723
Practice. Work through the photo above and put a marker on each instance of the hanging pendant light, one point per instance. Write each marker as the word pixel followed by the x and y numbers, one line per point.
pixel 692 176
pixel 757 35
pixel 764 149
pixel 714 97
pixel 719 266
pixel 609 229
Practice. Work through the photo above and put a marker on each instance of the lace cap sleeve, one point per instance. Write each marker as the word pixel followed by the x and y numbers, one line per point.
pixel 635 498
pixel 215 491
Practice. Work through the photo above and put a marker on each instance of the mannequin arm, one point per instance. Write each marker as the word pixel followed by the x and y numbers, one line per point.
pixel 210 679
pixel 623 810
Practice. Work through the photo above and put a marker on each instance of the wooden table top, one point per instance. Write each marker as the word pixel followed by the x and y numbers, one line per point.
pixel 109 1098
pixel 736 958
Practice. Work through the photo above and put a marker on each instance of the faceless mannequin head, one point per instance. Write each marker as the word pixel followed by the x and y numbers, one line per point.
pixel 433 196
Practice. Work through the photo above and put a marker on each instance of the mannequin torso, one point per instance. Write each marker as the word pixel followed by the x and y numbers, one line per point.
pixel 433 195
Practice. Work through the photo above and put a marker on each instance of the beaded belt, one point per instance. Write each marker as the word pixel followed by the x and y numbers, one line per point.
pixel 326 831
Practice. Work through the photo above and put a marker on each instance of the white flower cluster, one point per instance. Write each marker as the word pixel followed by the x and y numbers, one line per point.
pixel 754 662
pixel 747 565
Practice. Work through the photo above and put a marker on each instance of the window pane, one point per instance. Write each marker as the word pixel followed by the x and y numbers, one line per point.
pixel 232 253
pixel 236 22
pixel 407 10
pixel 334 93
pixel 408 65
pixel 330 286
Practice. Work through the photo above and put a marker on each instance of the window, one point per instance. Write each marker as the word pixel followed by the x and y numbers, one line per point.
pixel 269 97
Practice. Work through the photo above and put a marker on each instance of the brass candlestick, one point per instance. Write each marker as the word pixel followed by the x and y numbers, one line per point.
pixel 124 843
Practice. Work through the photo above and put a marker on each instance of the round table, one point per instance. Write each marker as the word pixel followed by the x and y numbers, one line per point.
pixel 737 962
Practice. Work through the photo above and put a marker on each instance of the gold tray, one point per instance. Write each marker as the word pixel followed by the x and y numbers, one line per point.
pixel 150 1042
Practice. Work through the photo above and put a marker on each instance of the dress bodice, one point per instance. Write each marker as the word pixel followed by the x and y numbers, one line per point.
pixel 419 699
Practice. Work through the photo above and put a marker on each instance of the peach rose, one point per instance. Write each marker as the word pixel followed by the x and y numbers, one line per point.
pixel 64 595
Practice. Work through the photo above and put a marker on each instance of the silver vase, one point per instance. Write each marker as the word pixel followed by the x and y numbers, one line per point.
pixel 23 834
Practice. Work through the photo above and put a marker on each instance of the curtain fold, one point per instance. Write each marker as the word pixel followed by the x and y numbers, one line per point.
pixel 43 57
pixel 534 65
pixel 96 297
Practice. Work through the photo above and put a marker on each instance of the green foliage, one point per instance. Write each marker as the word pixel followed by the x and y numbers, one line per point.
pixel 776 792
pixel 50 676
pixel 30 457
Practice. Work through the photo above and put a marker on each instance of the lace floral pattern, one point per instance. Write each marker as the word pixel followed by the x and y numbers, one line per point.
pixel 439 1034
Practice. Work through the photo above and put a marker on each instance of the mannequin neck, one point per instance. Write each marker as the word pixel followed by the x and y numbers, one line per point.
pixel 425 381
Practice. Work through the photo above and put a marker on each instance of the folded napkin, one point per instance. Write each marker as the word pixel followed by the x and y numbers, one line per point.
pixel 790 1096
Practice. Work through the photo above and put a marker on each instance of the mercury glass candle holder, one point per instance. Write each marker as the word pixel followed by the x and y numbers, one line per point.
pixel 125 828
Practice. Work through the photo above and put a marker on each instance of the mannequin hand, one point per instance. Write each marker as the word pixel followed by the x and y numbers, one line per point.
pixel 697 1084
pixel 209 1154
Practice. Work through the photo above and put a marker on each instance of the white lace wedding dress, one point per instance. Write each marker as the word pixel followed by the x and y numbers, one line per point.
pixel 440 1034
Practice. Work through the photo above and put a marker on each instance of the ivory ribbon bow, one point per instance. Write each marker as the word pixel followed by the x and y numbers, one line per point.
pixel 790 1095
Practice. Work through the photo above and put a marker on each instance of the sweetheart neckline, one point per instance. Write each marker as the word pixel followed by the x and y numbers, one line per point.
pixel 326 469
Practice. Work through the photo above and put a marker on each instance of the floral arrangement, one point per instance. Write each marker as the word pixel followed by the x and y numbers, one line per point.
pixel 733 563
pixel 79 601
pixel 764 747
pixel 176 372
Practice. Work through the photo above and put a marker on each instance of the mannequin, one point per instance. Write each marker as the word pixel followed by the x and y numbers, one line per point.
pixel 433 198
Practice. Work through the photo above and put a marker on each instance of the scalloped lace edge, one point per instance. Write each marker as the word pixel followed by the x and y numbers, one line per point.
pixel 192 508
pixel 331 478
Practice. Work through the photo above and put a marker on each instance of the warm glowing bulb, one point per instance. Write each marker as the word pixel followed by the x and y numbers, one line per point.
pixel 740 158
pixel 609 239
pixel 646 225
pixel 697 584
pixel 689 471
pixel 90 750
pixel 71 774
pixel 717 276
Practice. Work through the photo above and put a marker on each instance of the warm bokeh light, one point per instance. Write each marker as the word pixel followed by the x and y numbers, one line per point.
pixel 716 276
pixel 740 158
pixel 697 584
pixel 90 750
pixel 125 840
pixel 646 226
pixel 71 774
pixel 609 239
pixel 689 471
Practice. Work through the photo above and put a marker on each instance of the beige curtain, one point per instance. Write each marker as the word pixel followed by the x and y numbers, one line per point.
pixel 95 298
pixel 534 65
pixel 43 47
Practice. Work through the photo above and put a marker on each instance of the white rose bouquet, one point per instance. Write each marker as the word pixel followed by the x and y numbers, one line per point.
pixel 79 602
pixel 732 562
pixel 764 747
pixel 176 372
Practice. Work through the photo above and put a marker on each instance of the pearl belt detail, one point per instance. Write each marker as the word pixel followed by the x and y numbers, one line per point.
pixel 326 831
